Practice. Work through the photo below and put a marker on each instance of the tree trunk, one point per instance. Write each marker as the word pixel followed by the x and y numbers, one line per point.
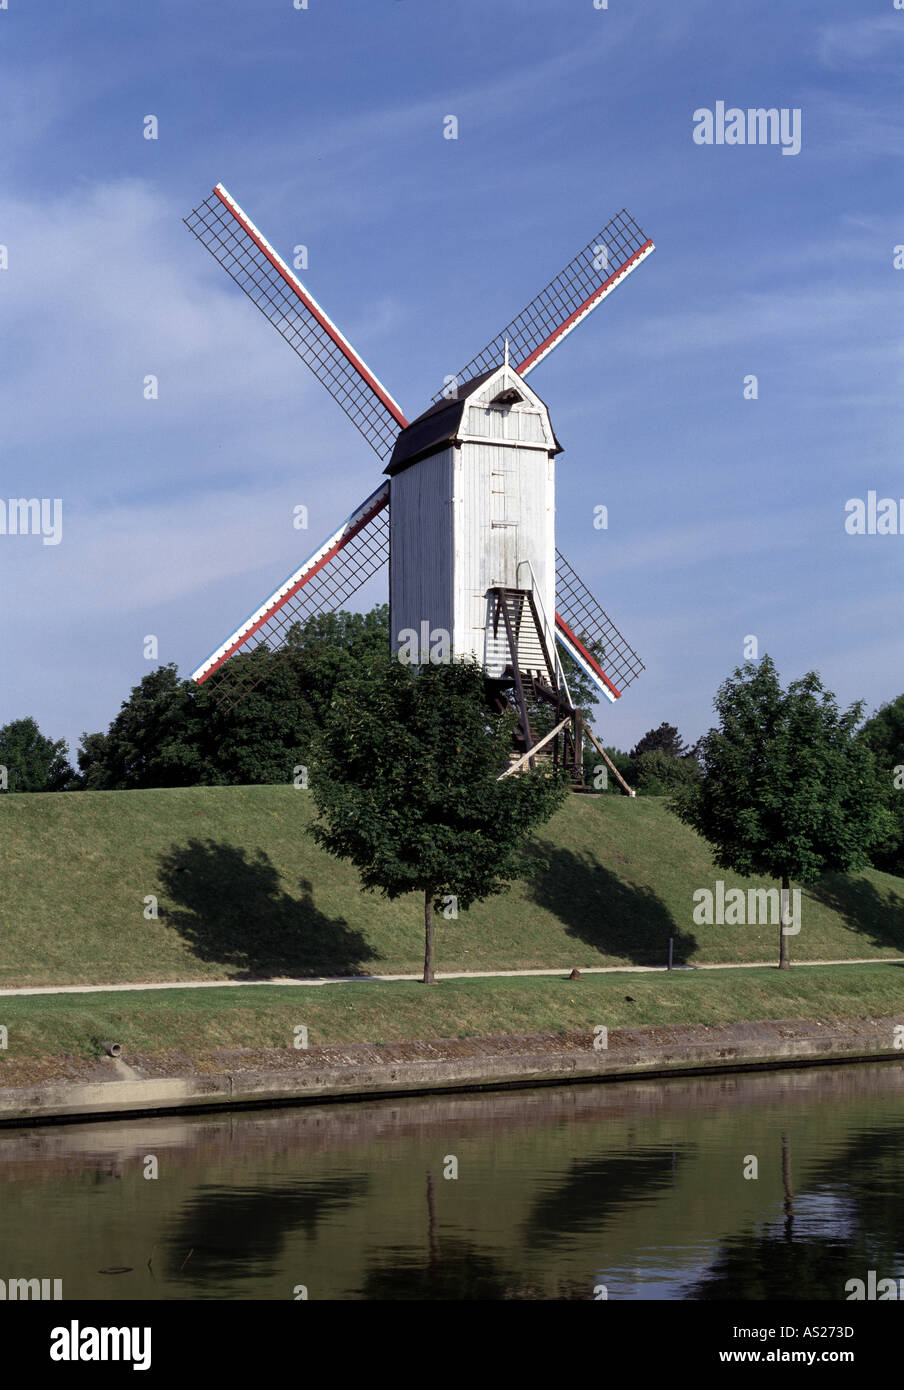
pixel 429 978
pixel 783 961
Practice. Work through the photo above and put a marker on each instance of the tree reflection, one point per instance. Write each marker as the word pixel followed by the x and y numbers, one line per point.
pixel 452 1268
pixel 237 1232
pixel 598 1188
pixel 791 1260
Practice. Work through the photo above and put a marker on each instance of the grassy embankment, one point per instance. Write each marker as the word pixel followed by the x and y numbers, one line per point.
pixel 243 892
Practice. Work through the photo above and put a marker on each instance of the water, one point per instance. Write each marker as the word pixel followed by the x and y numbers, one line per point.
pixel 636 1187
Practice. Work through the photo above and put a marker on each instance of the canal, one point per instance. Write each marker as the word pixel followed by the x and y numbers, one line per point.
pixel 778 1185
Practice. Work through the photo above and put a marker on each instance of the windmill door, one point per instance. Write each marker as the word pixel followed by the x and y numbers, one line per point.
pixel 503 512
pixel 500 542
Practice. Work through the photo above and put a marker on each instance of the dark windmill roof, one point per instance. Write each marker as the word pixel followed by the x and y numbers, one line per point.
pixel 436 428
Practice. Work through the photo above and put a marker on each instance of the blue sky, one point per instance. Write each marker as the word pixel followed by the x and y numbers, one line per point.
pixel 726 515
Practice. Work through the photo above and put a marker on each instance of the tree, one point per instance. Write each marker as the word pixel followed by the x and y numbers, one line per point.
pixel 787 789
pixel 251 722
pixel 33 762
pixel 597 774
pixel 259 714
pixel 149 743
pixel 884 736
pixel 405 779
pixel 655 772
pixel 666 739
pixel 328 647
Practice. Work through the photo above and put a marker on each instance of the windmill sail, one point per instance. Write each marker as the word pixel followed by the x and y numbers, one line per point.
pixel 566 301
pixel 582 623
pixel 244 252
pixel 347 559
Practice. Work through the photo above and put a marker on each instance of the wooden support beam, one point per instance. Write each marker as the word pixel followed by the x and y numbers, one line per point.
pixel 629 791
pixel 579 743
pixel 536 748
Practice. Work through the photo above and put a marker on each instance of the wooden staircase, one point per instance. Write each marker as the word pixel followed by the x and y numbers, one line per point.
pixel 528 668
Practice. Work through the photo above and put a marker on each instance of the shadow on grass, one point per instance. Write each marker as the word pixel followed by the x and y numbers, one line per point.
pixel 231 908
pixel 865 908
pixel 604 912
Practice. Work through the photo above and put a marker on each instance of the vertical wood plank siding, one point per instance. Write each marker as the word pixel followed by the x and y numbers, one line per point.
pixel 420 540
pixel 464 519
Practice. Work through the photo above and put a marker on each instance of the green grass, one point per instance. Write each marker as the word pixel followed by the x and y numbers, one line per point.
pixel 243 892
pixel 264 1017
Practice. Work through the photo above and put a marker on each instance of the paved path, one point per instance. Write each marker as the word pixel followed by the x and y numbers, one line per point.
pixel 452 975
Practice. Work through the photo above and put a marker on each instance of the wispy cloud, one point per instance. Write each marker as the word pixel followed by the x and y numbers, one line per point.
pixel 876 42
pixel 751 317
pixel 135 296
pixel 849 126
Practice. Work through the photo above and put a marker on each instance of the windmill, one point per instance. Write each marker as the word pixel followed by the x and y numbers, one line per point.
pixel 465 516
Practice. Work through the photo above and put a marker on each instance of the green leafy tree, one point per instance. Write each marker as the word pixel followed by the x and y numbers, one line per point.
pixel 597 774
pixel 666 739
pixel 91 755
pixel 658 764
pixel 252 722
pixel 33 762
pixel 405 779
pixel 330 647
pixel 656 773
pixel 150 743
pixel 259 714
pixel 883 734
pixel 787 789
pixel 623 764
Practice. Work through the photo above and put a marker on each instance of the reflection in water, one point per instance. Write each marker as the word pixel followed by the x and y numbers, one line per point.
pixel 594 1191
pixel 638 1186
pixel 459 1270
pixel 241 1231
pixel 849 1219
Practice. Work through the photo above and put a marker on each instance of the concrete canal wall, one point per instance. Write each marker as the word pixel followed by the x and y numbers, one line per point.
pixel 149 1084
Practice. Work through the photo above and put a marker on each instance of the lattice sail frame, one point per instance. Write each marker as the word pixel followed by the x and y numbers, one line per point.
pixel 566 301
pixel 354 553
pixel 245 253
pixel 580 619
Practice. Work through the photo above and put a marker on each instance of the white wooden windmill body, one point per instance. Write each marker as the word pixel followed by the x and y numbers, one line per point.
pixel 470 496
pixel 472 510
